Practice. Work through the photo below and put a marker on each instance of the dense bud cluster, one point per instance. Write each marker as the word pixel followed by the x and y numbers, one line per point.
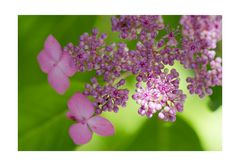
pixel 132 26
pixel 108 97
pixel 92 53
pixel 150 56
pixel 205 28
pixel 152 53
pixel 200 37
pixel 160 93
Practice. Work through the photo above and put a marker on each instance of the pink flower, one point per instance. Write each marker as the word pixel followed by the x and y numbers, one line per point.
pixel 81 111
pixel 57 64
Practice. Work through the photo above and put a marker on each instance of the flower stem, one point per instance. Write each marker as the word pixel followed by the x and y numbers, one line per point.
pixel 123 76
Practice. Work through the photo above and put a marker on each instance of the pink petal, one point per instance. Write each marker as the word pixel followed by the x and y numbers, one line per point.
pixel 53 48
pixel 101 126
pixel 70 115
pixel 80 107
pixel 58 80
pixel 80 133
pixel 45 61
pixel 67 64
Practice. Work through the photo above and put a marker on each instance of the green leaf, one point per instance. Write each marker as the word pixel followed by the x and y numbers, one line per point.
pixel 159 135
pixel 42 122
pixel 219 49
pixel 216 98
pixel 172 20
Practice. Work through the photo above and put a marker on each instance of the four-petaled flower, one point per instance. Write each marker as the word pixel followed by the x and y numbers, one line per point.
pixel 82 111
pixel 57 64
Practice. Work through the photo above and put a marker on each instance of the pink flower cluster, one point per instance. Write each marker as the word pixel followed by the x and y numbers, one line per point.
pixel 206 28
pixel 160 93
pixel 200 37
pixel 132 26
pixel 157 88
pixel 108 97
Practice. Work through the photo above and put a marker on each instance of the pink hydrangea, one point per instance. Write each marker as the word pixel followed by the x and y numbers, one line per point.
pixel 157 89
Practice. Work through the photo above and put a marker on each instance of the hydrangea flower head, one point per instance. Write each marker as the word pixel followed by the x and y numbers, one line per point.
pixel 157 48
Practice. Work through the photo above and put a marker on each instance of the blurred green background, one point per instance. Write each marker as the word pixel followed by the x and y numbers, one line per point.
pixel 42 122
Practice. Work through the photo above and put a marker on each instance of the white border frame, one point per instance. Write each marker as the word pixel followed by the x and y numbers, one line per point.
pixel 8 119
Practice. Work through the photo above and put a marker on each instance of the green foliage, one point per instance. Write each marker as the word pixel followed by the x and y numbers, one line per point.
pixel 167 136
pixel 216 98
pixel 42 122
